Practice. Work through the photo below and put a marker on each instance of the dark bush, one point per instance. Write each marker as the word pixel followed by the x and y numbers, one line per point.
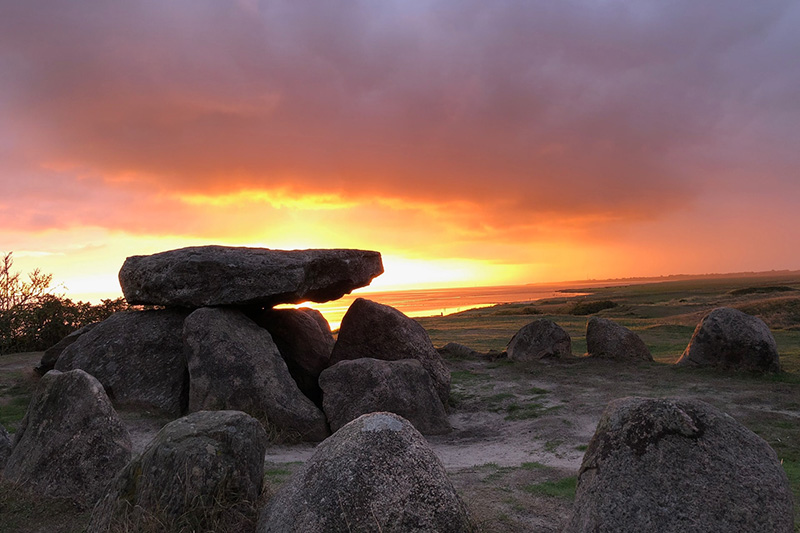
pixel 591 307
pixel 33 317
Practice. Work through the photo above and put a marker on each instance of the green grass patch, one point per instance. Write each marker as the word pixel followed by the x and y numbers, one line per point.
pixel 552 445
pixel 12 413
pixel 466 376
pixel 792 469
pixel 562 488
pixel 458 397
pixel 760 290
pixel 526 411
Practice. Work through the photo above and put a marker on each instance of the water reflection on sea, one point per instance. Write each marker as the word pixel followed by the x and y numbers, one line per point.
pixel 430 302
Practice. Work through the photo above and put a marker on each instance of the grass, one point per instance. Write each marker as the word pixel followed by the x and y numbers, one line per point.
pixel 25 513
pixel 12 412
pixel 562 488
pixel 466 376
pixel 792 469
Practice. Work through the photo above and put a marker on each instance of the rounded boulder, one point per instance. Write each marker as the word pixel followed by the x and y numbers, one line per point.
pixel 730 339
pixel 71 441
pixel 377 473
pixel 202 469
pixel 675 465
pixel 541 339
pixel 370 329
pixel 608 340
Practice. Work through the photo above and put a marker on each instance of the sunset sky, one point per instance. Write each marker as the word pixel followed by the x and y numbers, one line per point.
pixel 471 142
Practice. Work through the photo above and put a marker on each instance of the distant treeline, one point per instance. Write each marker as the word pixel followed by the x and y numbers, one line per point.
pixel 33 316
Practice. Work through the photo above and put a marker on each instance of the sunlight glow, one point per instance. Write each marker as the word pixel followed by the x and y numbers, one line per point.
pixel 278 198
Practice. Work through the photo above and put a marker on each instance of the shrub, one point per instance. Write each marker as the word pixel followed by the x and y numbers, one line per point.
pixel 589 308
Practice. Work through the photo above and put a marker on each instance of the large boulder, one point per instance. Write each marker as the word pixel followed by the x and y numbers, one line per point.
pixel 305 342
pixel 355 388
pixel 202 276
pixel 51 355
pixel 728 338
pixel 673 465
pixel 377 473
pixel 205 468
pixel 370 329
pixel 137 356
pixel 234 364
pixel 71 441
pixel 5 447
pixel 608 340
pixel 541 339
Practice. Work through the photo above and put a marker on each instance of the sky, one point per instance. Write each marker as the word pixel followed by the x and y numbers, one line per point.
pixel 471 142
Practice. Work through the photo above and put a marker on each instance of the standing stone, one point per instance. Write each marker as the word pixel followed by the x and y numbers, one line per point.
pixel 202 276
pixel 71 442
pixel 674 465
pixel 52 354
pixel 608 340
pixel 730 339
pixel 205 468
pixel 5 447
pixel 234 364
pixel 366 385
pixel 375 330
pixel 377 473
pixel 305 342
pixel 137 356
pixel 541 339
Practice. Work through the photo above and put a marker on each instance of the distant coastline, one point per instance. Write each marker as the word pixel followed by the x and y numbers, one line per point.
pixel 446 301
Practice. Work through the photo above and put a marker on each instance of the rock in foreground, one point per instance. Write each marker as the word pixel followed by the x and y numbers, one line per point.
pixel 675 466
pixel 730 339
pixel 355 388
pixel 70 442
pixel 203 276
pixel 370 329
pixel 541 339
pixel 608 340
pixel 203 469
pixel 377 473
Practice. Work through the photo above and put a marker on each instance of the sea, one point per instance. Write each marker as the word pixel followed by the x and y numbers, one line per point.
pixel 446 301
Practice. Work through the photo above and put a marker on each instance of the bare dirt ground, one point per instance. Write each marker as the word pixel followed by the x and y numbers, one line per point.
pixel 520 430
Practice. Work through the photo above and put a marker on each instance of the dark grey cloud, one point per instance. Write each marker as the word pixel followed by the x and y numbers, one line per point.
pixel 538 108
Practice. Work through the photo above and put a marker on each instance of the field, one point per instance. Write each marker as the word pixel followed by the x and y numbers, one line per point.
pixel 520 430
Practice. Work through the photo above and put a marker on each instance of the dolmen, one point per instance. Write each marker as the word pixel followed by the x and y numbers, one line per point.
pixel 216 342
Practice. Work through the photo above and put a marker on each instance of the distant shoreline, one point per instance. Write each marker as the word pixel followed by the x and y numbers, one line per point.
pixel 428 302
